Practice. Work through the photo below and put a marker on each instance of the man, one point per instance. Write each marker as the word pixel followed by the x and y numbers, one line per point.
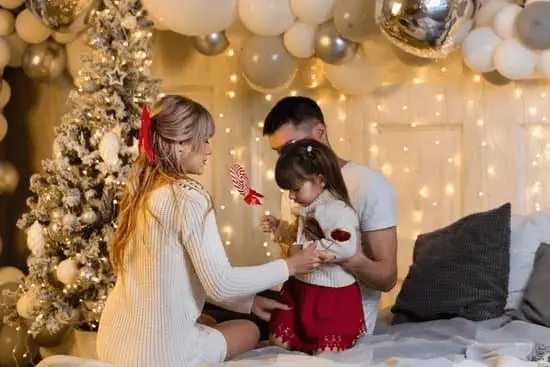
pixel 372 196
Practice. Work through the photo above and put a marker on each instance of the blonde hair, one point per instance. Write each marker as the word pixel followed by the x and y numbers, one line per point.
pixel 175 120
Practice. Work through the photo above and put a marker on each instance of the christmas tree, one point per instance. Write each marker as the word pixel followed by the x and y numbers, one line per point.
pixel 74 204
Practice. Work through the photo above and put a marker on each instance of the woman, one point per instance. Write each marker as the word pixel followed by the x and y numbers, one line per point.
pixel 169 258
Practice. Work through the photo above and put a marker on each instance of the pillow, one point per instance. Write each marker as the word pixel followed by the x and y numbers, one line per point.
pixel 459 271
pixel 528 232
pixel 535 306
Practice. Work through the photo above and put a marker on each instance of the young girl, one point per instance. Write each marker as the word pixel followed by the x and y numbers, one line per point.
pixel 325 312
pixel 169 258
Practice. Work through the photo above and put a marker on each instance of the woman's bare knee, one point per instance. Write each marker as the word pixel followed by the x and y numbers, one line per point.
pixel 240 336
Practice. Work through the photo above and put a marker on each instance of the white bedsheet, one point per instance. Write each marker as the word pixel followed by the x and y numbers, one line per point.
pixel 444 343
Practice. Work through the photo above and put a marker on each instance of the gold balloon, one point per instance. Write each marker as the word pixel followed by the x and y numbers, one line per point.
pixel 44 61
pixel 69 16
pixel 424 28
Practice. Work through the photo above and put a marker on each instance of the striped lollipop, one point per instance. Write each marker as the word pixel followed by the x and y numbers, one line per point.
pixel 239 178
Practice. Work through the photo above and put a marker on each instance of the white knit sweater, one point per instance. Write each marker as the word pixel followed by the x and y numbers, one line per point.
pixel 172 264
pixel 330 213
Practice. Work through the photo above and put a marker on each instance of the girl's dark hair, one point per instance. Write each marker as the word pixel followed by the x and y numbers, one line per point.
pixel 302 160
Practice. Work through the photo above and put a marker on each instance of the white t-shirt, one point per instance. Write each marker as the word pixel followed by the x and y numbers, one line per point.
pixel 373 199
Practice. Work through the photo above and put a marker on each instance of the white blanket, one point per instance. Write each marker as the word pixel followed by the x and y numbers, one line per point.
pixel 444 343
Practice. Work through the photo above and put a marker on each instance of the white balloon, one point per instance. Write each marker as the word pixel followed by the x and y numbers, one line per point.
pixel 299 40
pixel 193 17
pixel 7 22
pixel 75 50
pixel 10 274
pixel 543 63
pixel 11 4
pixel 64 38
pixel 478 49
pixel 514 61
pixel 5 93
pixel 504 22
pixel 5 53
pixel 312 11
pixel 357 76
pixel 266 17
pixel 17 49
pixel 30 28
pixel 485 15
pixel 3 128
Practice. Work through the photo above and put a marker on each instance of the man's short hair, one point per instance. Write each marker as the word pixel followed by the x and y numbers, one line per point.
pixel 293 110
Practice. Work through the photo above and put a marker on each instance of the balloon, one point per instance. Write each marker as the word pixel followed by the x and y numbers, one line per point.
pixel 543 64
pixel 266 17
pixel 193 17
pixel 30 28
pixel 299 40
pixel 310 75
pixel 45 61
pixel 504 22
pixel 479 48
pixel 5 93
pixel 11 4
pixel 331 47
pixel 423 28
pixel 210 44
pixel 485 15
pixel 3 132
pixel 533 25
pixel 514 61
pixel 69 16
pixel 354 19
pixel 4 53
pixel 495 78
pixel 7 22
pixel 357 76
pixel 237 34
pixel 10 274
pixel 17 347
pixel 267 64
pixel 17 49
pixel 312 12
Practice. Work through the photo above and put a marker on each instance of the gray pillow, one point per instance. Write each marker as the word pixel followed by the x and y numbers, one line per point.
pixel 459 271
pixel 535 306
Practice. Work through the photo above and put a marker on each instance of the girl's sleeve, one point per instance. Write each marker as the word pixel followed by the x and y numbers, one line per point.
pixel 335 219
pixel 222 282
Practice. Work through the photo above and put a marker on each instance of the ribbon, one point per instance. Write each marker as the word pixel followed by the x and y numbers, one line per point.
pixel 253 198
pixel 144 134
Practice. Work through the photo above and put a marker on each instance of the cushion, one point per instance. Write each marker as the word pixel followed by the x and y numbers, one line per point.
pixel 528 232
pixel 459 271
pixel 535 305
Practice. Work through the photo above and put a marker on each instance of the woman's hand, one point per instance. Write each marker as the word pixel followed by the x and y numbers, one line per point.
pixel 269 223
pixel 304 261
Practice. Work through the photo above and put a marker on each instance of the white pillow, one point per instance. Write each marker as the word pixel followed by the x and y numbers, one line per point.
pixel 527 234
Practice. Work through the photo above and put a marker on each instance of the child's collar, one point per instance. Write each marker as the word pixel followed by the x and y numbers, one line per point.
pixel 324 197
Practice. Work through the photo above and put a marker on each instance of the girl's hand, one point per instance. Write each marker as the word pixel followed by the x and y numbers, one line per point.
pixel 304 261
pixel 269 223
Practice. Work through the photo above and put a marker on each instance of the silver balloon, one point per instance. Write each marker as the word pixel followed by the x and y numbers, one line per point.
pixel 426 28
pixel 533 25
pixel 44 61
pixel 210 44
pixel 354 19
pixel 69 16
pixel 495 78
pixel 331 47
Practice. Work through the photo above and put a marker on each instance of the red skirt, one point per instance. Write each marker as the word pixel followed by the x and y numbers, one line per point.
pixel 320 318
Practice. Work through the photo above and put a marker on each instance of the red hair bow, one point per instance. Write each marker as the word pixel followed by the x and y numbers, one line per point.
pixel 145 134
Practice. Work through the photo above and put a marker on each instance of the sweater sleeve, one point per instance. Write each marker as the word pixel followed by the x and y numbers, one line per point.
pixel 221 281
pixel 336 215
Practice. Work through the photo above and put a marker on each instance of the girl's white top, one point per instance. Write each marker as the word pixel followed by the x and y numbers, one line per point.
pixel 331 214
pixel 174 261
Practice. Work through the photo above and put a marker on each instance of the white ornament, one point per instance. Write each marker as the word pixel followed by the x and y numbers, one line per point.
pixel 67 271
pixel 109 147
pixel 24 305
pixel 69 221
pixel 35 239
pixel 88 217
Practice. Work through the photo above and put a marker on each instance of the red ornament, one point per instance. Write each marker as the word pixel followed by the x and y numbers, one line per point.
pixel 340 235
pixel 239 177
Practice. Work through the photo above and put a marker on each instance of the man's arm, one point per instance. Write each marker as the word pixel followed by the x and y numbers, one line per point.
pixel 376 265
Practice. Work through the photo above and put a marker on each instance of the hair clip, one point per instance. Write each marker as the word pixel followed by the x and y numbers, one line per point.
pixel 309 148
